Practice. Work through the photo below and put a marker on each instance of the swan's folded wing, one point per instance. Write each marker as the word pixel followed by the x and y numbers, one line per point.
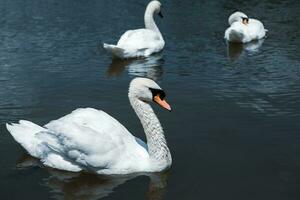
pixel 140 39
pixel 256 29
pixel 92 139
pixel 83 150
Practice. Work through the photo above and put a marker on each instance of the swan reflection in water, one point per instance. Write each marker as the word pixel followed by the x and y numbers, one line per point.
pixel 84 186
pixel 150 67
pixel 234 50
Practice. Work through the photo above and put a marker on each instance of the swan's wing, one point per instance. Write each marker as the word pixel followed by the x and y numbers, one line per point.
pixel 27 134
pixel 256 29
pixel 140 39
pixel 114 50
pixel 239 32
pixel 92 139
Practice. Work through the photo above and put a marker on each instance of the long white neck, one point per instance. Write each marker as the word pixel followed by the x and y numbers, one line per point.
pixel 149 20
pixel 156 142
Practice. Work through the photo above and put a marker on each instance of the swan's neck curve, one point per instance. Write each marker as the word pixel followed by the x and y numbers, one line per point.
pixel 149 21
pixel 156 142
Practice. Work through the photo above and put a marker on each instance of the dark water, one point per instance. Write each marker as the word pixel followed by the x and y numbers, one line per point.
pixel 234 132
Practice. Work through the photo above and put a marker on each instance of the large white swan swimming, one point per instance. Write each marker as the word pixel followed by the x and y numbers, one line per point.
pixel 243 30
pixel 91 140
pixel 140 42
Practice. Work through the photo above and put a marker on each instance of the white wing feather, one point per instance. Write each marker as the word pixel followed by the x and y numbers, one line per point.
pixel 85 139
pixel 136 43
pixel 140 39
pixel 239 32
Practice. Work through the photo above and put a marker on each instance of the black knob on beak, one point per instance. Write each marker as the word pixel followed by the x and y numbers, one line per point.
pixel 160 14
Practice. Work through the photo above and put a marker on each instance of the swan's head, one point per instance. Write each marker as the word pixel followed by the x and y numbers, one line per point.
pixel 148 91
pixel 238 17
pixel 155 7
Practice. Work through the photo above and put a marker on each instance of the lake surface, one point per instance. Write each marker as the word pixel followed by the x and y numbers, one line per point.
pixel 234 132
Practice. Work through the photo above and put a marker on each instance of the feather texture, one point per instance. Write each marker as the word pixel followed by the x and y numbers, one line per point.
pixel 243 33
pixel 140 42
pixel 91 140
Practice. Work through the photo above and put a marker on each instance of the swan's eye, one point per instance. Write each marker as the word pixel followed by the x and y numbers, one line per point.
pixel 245 20
pixel 158 92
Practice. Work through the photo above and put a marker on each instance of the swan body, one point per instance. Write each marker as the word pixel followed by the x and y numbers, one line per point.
pixel 91 140
pixel 140 42
pixel 243 30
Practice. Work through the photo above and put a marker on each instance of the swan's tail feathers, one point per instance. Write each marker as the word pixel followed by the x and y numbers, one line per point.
pixel 235 36
pixel 24 133
pixel 114 50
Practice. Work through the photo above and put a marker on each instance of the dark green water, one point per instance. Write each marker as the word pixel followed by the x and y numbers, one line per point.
pixel 234 132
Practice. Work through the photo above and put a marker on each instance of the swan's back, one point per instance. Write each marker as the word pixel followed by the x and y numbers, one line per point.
pixel 137 43
pixel 140 39
pixel 256 29
pixel 239 32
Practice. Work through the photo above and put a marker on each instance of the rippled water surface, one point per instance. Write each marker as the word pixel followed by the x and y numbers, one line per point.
pixel 234 131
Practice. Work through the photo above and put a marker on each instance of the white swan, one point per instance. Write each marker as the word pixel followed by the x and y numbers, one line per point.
pixel 91 140
pixel 243 30
pixel 140 42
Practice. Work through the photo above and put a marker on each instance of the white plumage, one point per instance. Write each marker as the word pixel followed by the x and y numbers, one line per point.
pixel 140 42
pixel 91 140
pixel 243 30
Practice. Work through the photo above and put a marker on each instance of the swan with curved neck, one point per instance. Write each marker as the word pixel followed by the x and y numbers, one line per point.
pixel 91 140
pixel 156 142
pixel 140 42
pixel 243 29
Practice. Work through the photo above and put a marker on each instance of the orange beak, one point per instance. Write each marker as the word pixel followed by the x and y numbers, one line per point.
pixel 162 103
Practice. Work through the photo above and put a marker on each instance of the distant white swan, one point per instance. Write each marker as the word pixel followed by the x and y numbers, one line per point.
pixel 91 140
pixel 243 30
pixel 140 42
